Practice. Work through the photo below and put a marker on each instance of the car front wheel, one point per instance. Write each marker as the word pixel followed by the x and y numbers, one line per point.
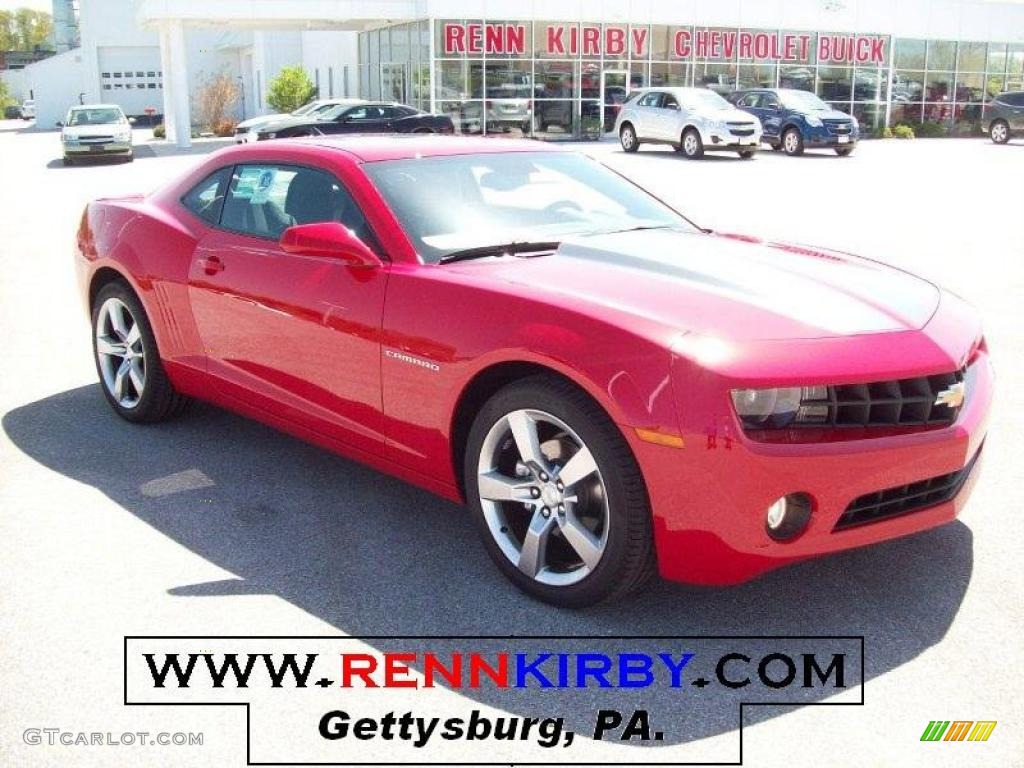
pixel 693 147
pixel 558 497
pixel 746 154
pixel 999 132
pixel 127 361
pixel 844 151
pixel 628 138
pixel 792 142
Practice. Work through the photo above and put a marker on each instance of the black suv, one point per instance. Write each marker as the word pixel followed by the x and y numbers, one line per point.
pixel 1005 116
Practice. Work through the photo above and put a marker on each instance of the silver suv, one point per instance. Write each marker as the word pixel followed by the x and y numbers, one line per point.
pixel 693 120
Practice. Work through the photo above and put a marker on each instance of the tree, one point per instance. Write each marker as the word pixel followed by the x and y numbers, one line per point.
pixel 215 99
pixel 25 30
pixel 5 98
pixel 290 89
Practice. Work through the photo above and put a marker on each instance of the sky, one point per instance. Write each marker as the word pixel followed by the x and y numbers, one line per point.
pixel 39 5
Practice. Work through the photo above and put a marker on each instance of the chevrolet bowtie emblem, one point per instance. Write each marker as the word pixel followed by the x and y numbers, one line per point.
pixel 952 397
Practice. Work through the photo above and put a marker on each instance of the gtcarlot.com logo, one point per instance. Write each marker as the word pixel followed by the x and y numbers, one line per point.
pixel 59 737
pixel 958 730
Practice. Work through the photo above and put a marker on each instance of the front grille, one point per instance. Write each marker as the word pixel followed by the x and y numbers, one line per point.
pixel 896 403
pixel 96 139
pixel 839 127
pixel 741 131
pixel 903 499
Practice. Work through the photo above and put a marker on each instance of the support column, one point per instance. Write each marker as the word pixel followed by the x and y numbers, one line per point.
pixel 179 92
pixel 167 66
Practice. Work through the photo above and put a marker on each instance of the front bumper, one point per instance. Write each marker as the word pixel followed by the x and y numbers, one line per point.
pixel 710 499
pixel 823 137
pixel 715 140
pixel 122 148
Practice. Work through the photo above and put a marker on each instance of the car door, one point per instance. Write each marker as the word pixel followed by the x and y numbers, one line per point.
pixel 1015 110
pixel 366 118
pixel 291 335
pixel 669 118
pixel 771 114
pixel 646 115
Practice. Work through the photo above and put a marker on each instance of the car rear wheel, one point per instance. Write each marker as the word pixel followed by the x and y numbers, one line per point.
pixel 628 138
pixel 746 154
pixel 792 142
pixel 693 147
pixel 999 131
pixel 558 497
pixel 69 161
pixel 127 361
pixel 844 151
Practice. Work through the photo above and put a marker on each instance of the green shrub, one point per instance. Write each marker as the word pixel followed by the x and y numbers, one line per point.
pixel 882 132
pixel 290 89
pixel 929 129
pixel 903 131
pixel 159 131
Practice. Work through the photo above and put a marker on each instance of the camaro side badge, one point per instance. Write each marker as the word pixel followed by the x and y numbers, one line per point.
pixel 953 397
pixel 395 355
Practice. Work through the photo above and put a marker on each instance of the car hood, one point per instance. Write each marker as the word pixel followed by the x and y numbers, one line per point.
pixel 254 122
pixel 287 121
pixel 731 115
pixel 85 131
pixel 728 286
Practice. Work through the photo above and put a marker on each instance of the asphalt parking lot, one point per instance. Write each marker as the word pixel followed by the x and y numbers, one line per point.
pixel 278 537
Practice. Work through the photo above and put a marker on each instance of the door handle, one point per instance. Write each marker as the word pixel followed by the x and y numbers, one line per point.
pixel 212 265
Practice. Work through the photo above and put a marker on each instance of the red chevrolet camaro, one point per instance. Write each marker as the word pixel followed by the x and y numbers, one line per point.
pixel 611 389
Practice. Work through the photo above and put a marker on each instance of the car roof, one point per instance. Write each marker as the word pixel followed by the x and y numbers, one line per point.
pixel 79 107
pixel 372 148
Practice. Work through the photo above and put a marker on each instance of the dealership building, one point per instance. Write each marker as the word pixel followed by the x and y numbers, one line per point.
pixel 559 68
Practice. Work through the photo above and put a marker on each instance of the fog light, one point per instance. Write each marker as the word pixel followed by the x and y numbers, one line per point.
pixel 788 516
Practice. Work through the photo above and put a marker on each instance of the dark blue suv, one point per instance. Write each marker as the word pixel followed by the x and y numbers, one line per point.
pixel 797 120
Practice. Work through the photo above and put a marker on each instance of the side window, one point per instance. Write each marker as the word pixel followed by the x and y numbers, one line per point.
pixel 206 198
pixel 750 100
pixel 669 102
pixel 769 101
pixel 363 113
pixel 650 100
pixel 264 200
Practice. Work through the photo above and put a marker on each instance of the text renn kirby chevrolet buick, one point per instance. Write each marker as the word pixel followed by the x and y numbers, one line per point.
pixel 611 389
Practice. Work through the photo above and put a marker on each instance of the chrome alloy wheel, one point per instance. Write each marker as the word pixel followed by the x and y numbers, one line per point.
pixel 119 350
pixel 792 141
pixel 1000 133
pixel 628 138
pixel 690 143
pixel 543 497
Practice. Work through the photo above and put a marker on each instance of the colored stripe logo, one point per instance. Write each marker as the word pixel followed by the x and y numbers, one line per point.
pixel 958 730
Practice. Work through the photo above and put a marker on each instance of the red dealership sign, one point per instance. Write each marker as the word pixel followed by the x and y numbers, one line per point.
pixel 571 40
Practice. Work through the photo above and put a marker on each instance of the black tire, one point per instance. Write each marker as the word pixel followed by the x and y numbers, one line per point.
pixel 629 144
pixel 844 151
pixel 130 158
pixel 159 400
pixel 746 154
pixel 68 161
pixel 696 151
pixel 628 560
pixel 795 147
pixel 999 131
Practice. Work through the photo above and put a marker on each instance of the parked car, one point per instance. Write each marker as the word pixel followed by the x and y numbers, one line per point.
pixel 693 120
pixel 1005 116
pixel 12 112
pixel 28 109
pixel 247 130
pixel 361 117
pixel 612 390
pixel 796 120
pixel 96 130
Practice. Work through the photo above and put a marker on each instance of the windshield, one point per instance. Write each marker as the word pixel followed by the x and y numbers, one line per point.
pixel 96 117
pixel 453 203
pixel 704 98
pixel 305 109
pixel 803 100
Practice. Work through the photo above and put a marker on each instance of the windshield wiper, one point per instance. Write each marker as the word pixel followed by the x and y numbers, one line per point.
pixel 502 249
pixel 641 228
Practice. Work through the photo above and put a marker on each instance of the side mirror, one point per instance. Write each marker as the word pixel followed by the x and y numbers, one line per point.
pixel 60 124
pixel 329 240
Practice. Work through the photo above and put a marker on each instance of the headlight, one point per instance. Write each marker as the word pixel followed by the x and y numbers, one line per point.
pixel 123 137
pixel 856 124
pixel 69 139
pixel 781 407
pixel 717 125
pixel 813 120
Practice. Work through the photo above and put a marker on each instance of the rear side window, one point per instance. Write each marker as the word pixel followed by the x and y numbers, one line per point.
pixel 206 198
pixel 1013 99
